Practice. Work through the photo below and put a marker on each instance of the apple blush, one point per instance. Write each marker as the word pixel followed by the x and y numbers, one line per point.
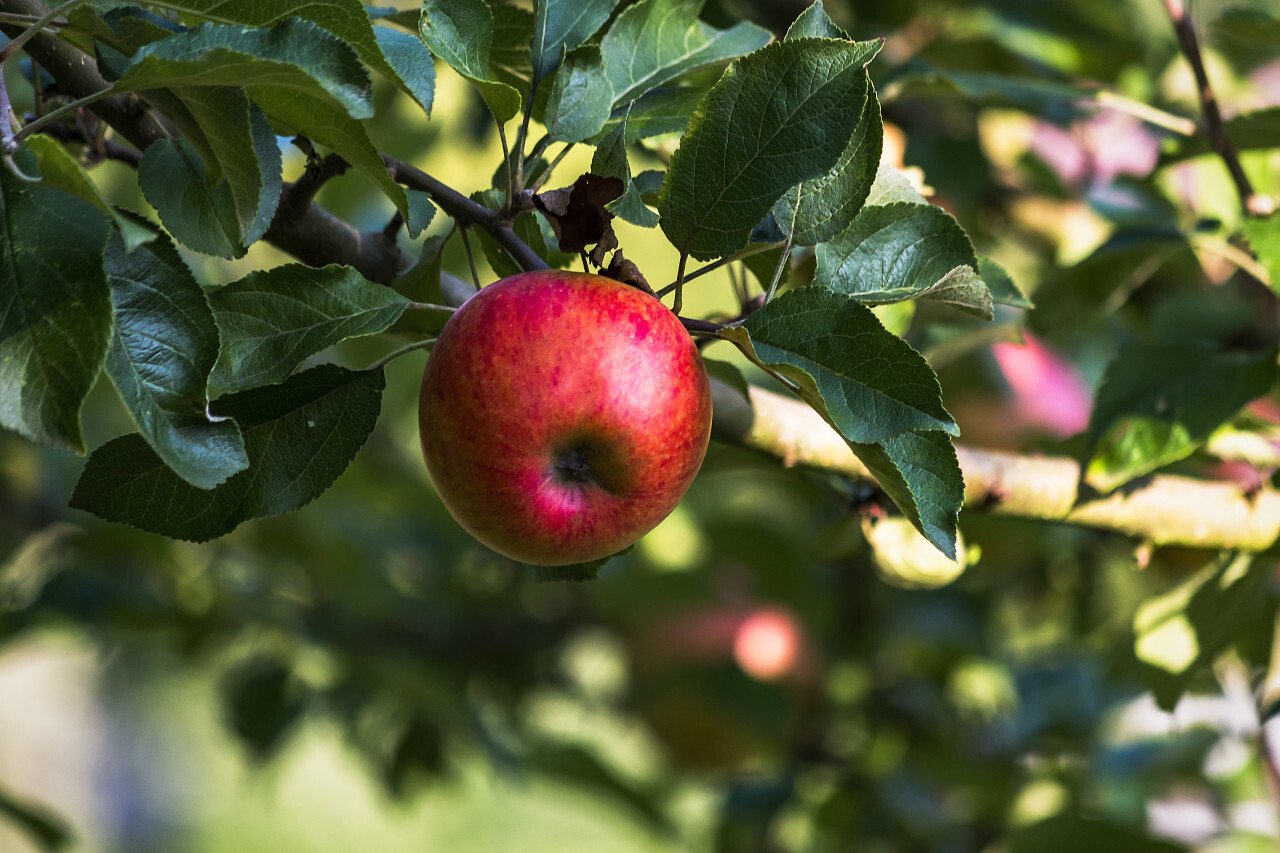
pixel 563 415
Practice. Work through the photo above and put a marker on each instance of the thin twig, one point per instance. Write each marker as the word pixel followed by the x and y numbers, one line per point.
pixel 524 130
pixel 102 149
pixel 1253 204
pixel 510 185
pixel 551 167
pixel 428 306
pixel 52 116
pixel 471 261
pixel 22 38
pixel 464 209
pixel 753 249
pixel 298 196
pixel 392 356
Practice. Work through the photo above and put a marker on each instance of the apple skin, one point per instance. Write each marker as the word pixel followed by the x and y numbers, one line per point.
pixel 563 415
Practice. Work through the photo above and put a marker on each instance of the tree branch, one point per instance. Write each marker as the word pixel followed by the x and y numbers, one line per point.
pixel 1254 204
pixel 1165 510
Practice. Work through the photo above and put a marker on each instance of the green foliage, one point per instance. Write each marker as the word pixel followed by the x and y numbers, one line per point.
pixel 1053 177
pixel 55 309
pixel 163 346
pixel 775 119
pixel 272 321
pixel 299 436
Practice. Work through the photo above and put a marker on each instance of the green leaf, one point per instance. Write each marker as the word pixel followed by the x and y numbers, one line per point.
pixel 1264 239
pixel 580 98
pixel 891 186
pixel 299 436
pixel 1159 403
pixel 421 283
pixel 1181 632
pixel 202 216
pixel 610 161
pixel 412 63
pixel 994 90
pixel 904 251
pixel 821 208
pixel 273 320
pixel 588 571
pixel 1001 285
pixel 560 26
pixel 295 55
pixel 659 111
pixel 55 309
pixel 60 171
pixel 509 56
pixel 871 386
pixel 162 349
pixel 47 830
pixel 920 472
pixel 777 117
pixel 320 121
pixel 656 41
pixel 460 32
pixel 236 143
pixel 1068 833
pixel 261 707
pixel 345 19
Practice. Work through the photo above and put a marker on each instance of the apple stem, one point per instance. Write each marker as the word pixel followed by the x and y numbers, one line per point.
pixel 679 282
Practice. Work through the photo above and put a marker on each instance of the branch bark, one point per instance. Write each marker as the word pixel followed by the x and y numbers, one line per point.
pixel 1184 27
pixel 1164 510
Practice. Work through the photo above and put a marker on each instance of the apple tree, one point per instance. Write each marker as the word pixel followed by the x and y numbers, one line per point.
pixel 234 231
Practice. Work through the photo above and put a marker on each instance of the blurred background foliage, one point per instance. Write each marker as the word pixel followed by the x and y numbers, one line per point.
pixel 752 677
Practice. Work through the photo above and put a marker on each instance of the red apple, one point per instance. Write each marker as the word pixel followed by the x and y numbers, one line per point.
pixel 563 415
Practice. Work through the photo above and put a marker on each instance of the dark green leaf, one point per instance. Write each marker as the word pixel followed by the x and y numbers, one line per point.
pixel 261 704
pixel 577 572
pixel 295 55
pixel 819 209
pixel 611 161
pixel 1001 285
pixel 460 32
pixel 920 472
pixel 562 25
pixel 46 829
pixel 345 19
pixel 412 63
pixel 1067 833
pixel 60 171
pixel 200 215
pixel 421 283
pixel 55 308
pixel 904 251
pixel 994 90
pixel 299 436
pixel 273 320
pixel 656 41
pixel 164 345
pixel 868 384
pixel 776 118
pixel 580 97
pixel 509 55
pixel 1158 403
pixel 660 111
pixel 814 22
